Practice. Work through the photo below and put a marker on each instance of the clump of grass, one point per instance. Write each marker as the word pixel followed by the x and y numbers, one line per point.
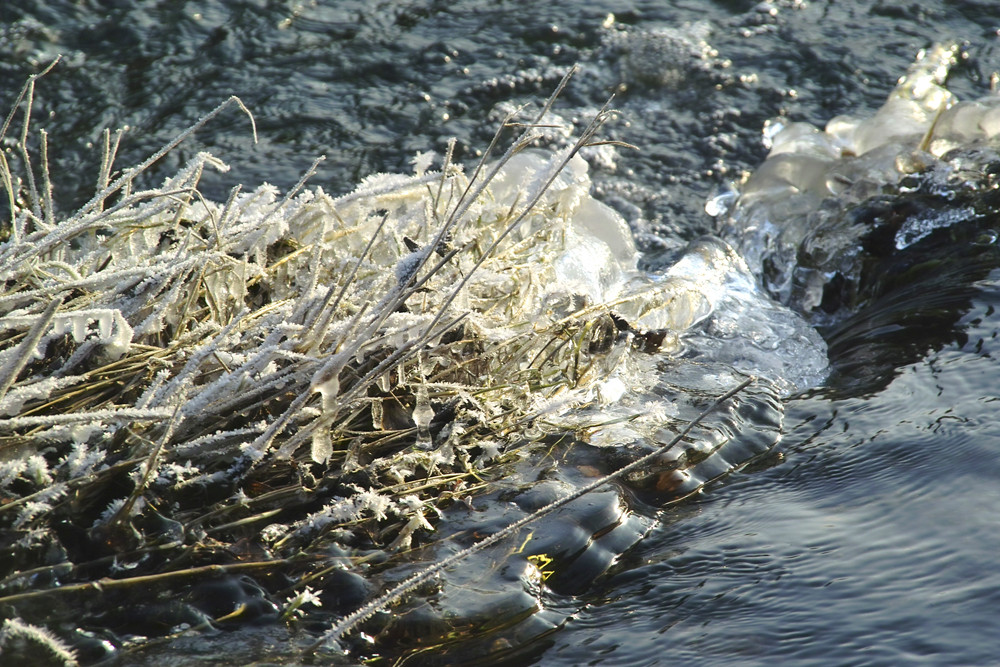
pixel 192 389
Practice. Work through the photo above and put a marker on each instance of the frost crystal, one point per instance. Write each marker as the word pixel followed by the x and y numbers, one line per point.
pixel 15 631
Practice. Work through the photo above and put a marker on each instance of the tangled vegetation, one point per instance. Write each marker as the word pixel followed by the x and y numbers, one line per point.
pixel 189 388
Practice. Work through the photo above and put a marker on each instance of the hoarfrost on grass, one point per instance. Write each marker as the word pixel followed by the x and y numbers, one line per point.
pixel 15 631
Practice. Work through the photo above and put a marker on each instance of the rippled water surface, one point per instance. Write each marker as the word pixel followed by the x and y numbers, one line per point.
pixel 870 536
pixel 870 543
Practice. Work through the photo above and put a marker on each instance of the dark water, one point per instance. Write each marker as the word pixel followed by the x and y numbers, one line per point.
pixel 872 543
pixel 871 537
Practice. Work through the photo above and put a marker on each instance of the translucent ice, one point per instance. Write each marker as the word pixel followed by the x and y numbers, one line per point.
pixel 792 206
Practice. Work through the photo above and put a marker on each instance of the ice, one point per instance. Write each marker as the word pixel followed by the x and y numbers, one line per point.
pixel 710 285
pixel 423 413
pixel 919 226
pixel 611 390
pixel 13 402
pixel 584 256
pixel 663 56
pixel 792 206
pixel 588 267
pixel 740 325
pixel 801 139
pixel 322 446
pixel 520 272
pixel 279 328
pixel 720 204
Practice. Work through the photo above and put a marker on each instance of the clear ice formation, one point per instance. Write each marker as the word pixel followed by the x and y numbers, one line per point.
pixel 792 207
pixel 708 302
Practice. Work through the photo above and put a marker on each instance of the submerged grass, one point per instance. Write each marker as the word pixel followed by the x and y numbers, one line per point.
pixel 190 389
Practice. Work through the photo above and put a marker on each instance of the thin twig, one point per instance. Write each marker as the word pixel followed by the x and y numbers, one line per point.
pixel 106 584
pixel 130 174
pixel 24 91
pixel 149 467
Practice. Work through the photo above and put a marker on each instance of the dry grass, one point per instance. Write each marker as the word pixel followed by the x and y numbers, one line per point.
pixel 193 388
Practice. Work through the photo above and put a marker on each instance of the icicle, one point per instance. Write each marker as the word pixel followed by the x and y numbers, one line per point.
pixel 378 415
pixel 322 447
pixel 423 413
pixel 328 390
pixel 351 463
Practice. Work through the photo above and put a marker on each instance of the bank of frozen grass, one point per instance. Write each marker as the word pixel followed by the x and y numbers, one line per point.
pixel 184 383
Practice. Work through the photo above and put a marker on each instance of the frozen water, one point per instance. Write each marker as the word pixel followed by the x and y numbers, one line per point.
pixel 792 206
pixel 919 226
pixel 709 298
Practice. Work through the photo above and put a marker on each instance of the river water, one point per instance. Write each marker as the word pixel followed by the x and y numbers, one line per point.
pixel 870 534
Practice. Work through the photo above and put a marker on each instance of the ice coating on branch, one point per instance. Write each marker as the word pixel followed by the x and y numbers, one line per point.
pixel 14 401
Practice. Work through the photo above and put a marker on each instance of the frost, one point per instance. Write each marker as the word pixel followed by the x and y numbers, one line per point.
pixel 422 161
pixel 294 604
pixel 174 474
pixel 14 401
pixel 414 508
pixel 344 510
pixel 491 449
pixel 37 470
pixel 11 470
pixel 81 460
pixel 273 532
pixel 15 631
pixel 29 511
pixel 374 502
pixel 115 507
pixel 406 267
pixel 339 362
pixel 32 538
pixel 110 415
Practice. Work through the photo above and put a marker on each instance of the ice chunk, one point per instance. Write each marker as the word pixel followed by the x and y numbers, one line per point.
pixel 919 226
pixel 790 207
